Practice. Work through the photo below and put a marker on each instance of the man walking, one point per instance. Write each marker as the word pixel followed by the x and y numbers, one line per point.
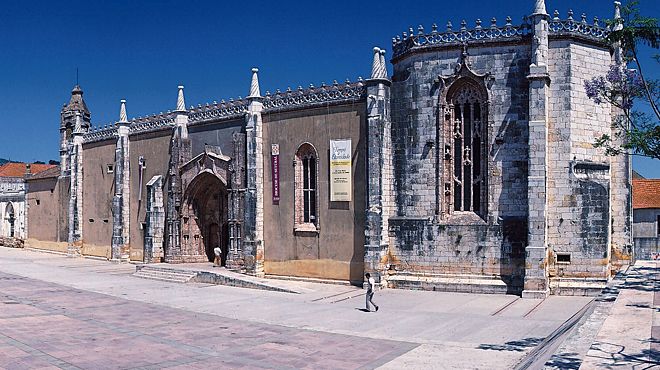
pixel 371 288
pixel 218 256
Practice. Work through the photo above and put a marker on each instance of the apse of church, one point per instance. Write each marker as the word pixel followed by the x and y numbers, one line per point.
pixel 471 168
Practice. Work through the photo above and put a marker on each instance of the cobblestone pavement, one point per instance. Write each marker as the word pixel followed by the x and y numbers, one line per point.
pixel 61 312
pixel 49 325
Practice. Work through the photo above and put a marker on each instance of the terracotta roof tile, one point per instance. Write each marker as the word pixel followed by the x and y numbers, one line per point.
pixel 51 172
pixel 646 193
pixel 18 169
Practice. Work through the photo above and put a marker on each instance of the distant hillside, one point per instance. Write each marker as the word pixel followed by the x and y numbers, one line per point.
pixel 57 163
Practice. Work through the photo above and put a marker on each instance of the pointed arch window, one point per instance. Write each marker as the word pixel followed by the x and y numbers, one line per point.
pixel 465 134
pixel 306 194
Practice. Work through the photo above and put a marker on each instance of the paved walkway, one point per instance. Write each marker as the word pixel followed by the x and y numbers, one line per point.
pixel 630 335
pixel 622 330
pixel 64 312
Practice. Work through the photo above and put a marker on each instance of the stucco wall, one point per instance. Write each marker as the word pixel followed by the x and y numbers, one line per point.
pixel 337 250
pixel 98 190
pixel 47 210
pixel 216 134
pixel 154 147
pixel 645 223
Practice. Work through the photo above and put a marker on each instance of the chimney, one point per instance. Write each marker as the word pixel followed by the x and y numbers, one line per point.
pixel 28 170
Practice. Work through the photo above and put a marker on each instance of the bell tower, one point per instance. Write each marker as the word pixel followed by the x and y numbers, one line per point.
pixel 68 123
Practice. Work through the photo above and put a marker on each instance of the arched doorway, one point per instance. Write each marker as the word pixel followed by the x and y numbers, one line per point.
pixel 10 220
pixel 205 217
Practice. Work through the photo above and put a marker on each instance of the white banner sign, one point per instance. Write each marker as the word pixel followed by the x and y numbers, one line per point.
pixel 340 170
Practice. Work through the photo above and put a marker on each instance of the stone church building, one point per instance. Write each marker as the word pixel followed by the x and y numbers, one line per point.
pixel 471 168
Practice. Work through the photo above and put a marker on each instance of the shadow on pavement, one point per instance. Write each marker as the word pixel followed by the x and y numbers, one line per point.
pixel 515 345
pixel 612 354
pixel 570 360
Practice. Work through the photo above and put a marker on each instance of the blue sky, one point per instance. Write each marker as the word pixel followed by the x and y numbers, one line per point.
pixel 141 50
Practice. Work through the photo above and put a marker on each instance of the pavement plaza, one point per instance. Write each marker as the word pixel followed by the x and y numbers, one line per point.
pixel 59 312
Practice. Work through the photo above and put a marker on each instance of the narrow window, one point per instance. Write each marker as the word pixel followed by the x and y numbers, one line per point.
pixel 658 226
pixel 110 168
pixel 464 179
pixel 306 200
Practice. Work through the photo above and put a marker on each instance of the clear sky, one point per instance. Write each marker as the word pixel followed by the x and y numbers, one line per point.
pixel 141 50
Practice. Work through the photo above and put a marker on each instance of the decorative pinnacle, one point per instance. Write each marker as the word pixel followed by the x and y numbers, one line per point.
pixel 618 26
pixel 539 7
pixel 77 129
pixel 180 101
pixel 377 66
pixel 254 85
pixel 122 112
pixel 383 66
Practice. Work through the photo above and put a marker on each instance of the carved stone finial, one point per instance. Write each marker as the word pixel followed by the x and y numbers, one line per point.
pixel 383 66
pixel 539 7
pixel 77 129
pixel 254 85
pixel 618 25
pixel 377 66
pixel 180 101
pixel 123 118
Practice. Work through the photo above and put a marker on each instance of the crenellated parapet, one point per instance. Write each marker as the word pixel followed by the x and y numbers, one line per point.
pixel 139 125
pixel 581 28
pixel 151 123
pixel 233 109
pixel 412 41
pixel 314 96
pixel 100 133
pixel 223 110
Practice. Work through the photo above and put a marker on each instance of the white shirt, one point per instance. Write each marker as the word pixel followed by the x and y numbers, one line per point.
pixel 372 285
pixel 217 251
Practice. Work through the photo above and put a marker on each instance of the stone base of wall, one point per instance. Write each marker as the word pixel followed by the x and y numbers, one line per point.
pixel 317 268
pixel 186 259
pixel 59 247
pixel 11 242
pixel 577 286
pixel 449 283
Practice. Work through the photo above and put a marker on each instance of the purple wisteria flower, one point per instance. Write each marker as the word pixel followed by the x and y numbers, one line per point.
pixel 620 86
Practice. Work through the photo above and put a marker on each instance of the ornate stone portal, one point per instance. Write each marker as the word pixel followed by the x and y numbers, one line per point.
pixel 205 206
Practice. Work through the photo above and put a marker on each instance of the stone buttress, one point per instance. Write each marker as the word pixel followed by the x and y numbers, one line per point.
pixel 380 205
pixel 254 208
pixel 536 275
pixel 181 152
pixel 75 156
pixel 120 247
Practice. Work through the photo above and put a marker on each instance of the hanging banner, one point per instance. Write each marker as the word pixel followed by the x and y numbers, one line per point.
pixel 275 166
pixel 340 170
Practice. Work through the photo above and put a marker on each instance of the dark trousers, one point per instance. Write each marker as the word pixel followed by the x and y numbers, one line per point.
pixel 370 296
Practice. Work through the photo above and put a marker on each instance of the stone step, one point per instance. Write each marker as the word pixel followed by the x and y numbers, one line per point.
pixel 174 276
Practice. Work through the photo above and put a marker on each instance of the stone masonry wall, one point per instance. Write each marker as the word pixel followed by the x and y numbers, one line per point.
pixel 463 244
pixel 578 174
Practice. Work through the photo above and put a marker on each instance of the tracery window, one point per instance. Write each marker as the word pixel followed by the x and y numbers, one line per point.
pixel 306 199
pixel 465 149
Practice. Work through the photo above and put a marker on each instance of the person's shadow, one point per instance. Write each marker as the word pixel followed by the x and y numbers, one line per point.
pixel 362 309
